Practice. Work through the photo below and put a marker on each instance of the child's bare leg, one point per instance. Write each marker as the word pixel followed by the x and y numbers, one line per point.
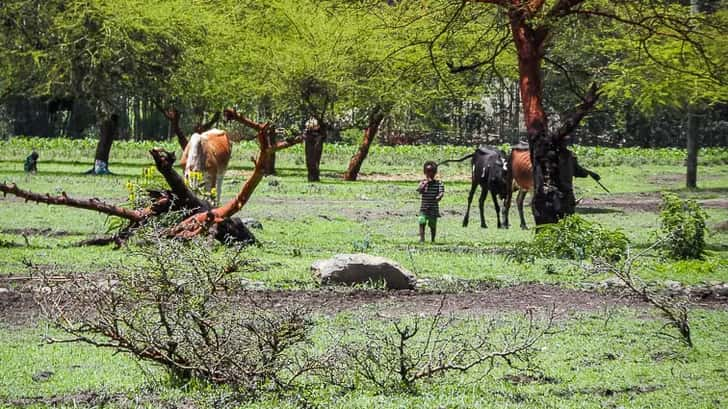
pixel 433 230
pixel 422 233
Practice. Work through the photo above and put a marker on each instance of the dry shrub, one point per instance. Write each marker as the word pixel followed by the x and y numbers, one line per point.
pixel 181 307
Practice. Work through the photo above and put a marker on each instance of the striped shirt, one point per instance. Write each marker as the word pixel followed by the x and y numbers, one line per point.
pixel 429 192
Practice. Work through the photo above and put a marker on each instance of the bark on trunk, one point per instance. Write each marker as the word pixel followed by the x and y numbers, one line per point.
pixel 375 120
pixel 269 167
pixel 692 147
pixel 108 129
pixel 543 148
pixel 314 147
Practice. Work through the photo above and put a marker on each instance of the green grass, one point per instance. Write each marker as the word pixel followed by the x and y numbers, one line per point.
pixel 304 221
pixel 593 360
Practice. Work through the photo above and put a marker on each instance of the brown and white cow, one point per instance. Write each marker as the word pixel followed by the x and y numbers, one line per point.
pixel 207 153
pixel 520 179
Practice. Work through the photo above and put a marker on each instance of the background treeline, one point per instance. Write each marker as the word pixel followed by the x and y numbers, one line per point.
pixel 455 122
pixel 69 66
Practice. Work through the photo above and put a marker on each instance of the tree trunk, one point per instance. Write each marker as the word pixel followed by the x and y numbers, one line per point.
pixel 269 167
pixel 314 147
pixel 692 147
pixel 546 205
pixel 375 120
pixel 107 129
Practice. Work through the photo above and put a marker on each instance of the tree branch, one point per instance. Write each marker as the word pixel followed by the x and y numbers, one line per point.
pixel 588 102
pixel 173 116
pixel 204 127
pixel 231 115
pixel 63 199
pixel 209 219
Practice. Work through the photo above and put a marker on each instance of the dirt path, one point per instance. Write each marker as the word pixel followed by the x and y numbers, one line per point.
pixel 642 203
pixel 17 307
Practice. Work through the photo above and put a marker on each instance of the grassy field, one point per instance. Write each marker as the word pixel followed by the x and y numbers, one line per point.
pixel 606 358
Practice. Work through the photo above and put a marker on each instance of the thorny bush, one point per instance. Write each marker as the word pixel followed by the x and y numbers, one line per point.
pixel 181 307
pixel 399 354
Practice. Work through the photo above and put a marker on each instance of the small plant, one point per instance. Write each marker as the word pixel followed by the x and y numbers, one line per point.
pixel 675 310
pixel 575 238
pixel 398 356
pixel 683 222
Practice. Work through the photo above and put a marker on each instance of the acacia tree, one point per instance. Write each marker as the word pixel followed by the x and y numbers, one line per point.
pixel 94 50
pixel 675 76
pixel 530 26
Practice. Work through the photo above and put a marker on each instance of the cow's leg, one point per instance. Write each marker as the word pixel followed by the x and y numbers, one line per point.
pixel 497 209
pixel 470 199
pixel 507 205
pixel 481 203
pixel 519 202
pixel 218 187
pixel 209 180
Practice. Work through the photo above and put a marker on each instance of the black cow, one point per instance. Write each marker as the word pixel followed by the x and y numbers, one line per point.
pixel 489 172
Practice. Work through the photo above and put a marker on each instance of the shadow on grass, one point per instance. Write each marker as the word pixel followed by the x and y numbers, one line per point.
pixel 597 210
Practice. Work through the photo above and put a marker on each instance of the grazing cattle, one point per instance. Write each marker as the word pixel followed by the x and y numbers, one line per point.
pixel 489 168
pixel 520 178
pixel 209 154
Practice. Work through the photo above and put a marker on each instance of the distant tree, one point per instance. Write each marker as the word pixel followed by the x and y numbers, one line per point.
pixel 94 50
pixel 675 76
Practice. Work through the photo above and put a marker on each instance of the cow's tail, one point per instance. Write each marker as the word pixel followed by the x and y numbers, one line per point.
pixel 455 160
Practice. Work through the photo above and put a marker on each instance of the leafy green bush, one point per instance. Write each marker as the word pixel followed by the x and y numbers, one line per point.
pixel 683 224
pixel 576 238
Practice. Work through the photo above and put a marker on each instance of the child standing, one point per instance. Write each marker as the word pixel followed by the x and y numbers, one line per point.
pixel 432 191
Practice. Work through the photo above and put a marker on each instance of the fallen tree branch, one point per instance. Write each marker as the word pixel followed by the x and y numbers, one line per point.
pixel 65 200
pixel 213 220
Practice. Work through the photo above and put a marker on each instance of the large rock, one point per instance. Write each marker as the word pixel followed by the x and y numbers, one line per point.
pixel 362 268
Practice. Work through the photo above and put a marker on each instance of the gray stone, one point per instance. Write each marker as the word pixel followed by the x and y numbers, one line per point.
pixel 362 268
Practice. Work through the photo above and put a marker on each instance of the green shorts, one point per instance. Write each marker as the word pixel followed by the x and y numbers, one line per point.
pixel 427 220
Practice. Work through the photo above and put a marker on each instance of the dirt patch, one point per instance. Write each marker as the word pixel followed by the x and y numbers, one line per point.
pixel 94 399
pixel 47 232
pixel 609 392
pixel 667 179
pixel 18 308
pixel 90 399
pixel 644 203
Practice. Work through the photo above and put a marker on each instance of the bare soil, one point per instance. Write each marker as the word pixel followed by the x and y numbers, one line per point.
pixel 18 307
pixel 642 202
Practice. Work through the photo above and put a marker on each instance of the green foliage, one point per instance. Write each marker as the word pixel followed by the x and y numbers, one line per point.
pixel 576 238
pixel 683 224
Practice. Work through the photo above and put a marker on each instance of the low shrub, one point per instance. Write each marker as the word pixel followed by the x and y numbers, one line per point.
pixel 575 238
pixel 682 222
